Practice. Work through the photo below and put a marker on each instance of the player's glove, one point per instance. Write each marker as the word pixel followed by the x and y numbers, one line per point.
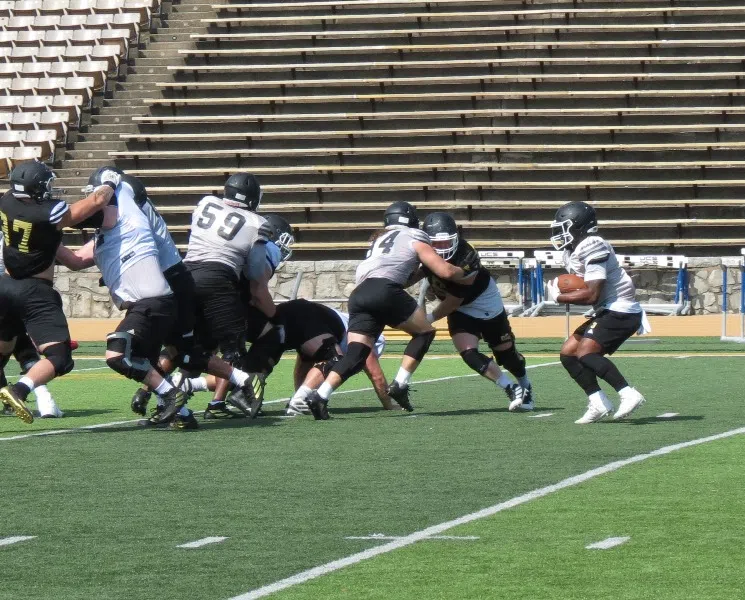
pixel 110 179
pixel 552 289
pixel 471 262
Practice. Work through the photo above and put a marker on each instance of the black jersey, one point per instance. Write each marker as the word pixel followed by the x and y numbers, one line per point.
pixel 469 293
pixel 304 320
pixel 31 234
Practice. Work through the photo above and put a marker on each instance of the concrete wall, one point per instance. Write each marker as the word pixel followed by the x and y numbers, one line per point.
pixel 83 298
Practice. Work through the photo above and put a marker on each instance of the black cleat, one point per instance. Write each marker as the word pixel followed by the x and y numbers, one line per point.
pixel 10 396
pixel 249 397
pixel 139 402
pixel 219 410
pixel 401 395
pixel 318 406
pixel 154 419
pixel 173 402
pixel 184 423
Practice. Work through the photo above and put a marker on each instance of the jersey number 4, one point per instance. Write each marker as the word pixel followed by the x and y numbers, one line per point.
pixel 384 243
pixel 24 227
pixel 231 223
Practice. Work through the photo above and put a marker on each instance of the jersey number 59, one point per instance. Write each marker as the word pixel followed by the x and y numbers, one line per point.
pixel 231 223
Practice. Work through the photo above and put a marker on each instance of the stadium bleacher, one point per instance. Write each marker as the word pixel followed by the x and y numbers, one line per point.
pixel 498 110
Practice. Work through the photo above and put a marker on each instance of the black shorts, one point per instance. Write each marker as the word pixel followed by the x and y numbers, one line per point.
pixel 220 313
pixel 182 284
pixel 31 305
pixel 376 303
pixel 150 322
pixel 610 329
pixel 495 331
pixel 304 320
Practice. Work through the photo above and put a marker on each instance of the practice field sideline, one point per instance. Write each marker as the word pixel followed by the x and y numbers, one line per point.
pixel 109 506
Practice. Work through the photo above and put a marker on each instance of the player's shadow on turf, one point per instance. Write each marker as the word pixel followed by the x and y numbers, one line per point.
pixel 350 410
pixel 658 421
pixel 479 411
pixel 88 412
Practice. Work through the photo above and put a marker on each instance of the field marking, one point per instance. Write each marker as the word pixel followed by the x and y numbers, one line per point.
pixel 381 536
pixel 422 534
pixel 667 415
pixel 203 542
pixel 608 543
pixel 7 541
pixel 540 415
pixel 115 423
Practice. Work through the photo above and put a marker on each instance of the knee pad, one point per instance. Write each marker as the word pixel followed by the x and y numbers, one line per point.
pixel 130 362
pixel 25 353
pixel 353 361
pixel 597 363
pixel 265 352
pixel 326 357
pixel 60 355
pixel 196 360
pixel 571 364
pixel 511 360
pixel 477 361
pixel 419 345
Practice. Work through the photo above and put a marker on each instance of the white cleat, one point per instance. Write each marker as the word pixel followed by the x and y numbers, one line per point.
pixel 48 409
pixel 596 410
pixel 297 407
pixel 526 404
pixel 516 394
pixel 630 401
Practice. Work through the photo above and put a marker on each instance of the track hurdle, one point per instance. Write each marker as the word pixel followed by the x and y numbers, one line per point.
pixel 729 262
pixel 510 259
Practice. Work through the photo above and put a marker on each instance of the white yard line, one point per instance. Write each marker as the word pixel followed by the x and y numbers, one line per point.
pixel 380 536
pixel 7 541
pixel 608 543
pixel 667 415
pixel 540 415
pixel 203 542
pixel 115 423
pixel 423 534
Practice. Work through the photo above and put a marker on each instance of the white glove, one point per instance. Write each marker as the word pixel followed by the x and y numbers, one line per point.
pixel 552 289
pixel 431 317
pixel 110 178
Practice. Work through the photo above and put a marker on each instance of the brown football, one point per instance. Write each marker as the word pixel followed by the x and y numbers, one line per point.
pixel 569 283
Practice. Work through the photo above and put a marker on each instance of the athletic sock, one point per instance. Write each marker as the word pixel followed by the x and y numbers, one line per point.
pixel 184 412
pixel 24 387
pixel 302 393
pixel 524 381
pixel 238 377
pixel 504 381
pixel 199 384
pixel 42 393
pixel 163 388
pixel 403 377
pixel 325 391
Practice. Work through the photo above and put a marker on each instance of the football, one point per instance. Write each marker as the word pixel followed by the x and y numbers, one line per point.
pixel 569 283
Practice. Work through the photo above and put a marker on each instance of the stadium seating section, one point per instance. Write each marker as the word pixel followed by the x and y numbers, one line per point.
pixel 497 110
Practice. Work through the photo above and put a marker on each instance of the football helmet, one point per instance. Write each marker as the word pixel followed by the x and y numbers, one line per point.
pixel 401 213
pixel 278 230
pixel 572 223
pixel 95 179
pixel 244 188
pixel 443 231
pixel 33 180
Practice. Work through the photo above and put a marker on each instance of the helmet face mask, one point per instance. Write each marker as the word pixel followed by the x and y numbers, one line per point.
pixel 279 231
pixel 561 236
pixel 572 223
pixel 445 244
pixel 443 233
pixel 284 241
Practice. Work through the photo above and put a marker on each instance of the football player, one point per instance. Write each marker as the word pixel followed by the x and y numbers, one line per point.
pixel 224 232
pixel 32 218
pixel 617 314
pixel 474 310
pixel 380 299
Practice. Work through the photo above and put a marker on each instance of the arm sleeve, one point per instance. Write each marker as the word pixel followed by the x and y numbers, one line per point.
pixel 261 256
pixel 58 211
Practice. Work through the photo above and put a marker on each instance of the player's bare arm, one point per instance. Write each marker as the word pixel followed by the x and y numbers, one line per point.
pixel 76 260
pixel 87 207
pixel 447 306
pixel 380 384
pixel 585 296
pixel 441 268
pixel 260 296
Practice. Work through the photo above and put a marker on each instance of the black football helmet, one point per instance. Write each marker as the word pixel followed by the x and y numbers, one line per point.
pixel 278 230
pixel 244 188
pixel 33 179
pixel 95 179
pixel 443 231
pixel 401 213
pixel 572 223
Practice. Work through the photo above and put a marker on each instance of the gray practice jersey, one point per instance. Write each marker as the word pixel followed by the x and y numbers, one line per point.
pixel 223 232
pixel 594 259
pixel 129 242
pixel 391 256
pixel 168 254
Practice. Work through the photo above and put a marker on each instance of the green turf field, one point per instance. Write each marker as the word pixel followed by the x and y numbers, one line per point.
pixel 109 505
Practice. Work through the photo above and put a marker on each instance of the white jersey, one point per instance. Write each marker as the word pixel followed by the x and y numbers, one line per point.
pixel 127 243
pixel 487 305
pixel 379 343
pixel 594 259
pixel 168 254
pixel 223 232
pixel 391 256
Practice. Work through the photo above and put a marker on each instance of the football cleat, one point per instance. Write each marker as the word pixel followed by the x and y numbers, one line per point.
pixel 154 419
pixel 296 407
pixel 173 402
pixel 516 395
pixel 400 393
pixel 219 410
pixel 139 402
pixel 8 410
pixel 318 406
pixel 184 422
pixel 9 396
pixel 596 410
pixel 630 401
pixel 257 389
pixel 249 397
